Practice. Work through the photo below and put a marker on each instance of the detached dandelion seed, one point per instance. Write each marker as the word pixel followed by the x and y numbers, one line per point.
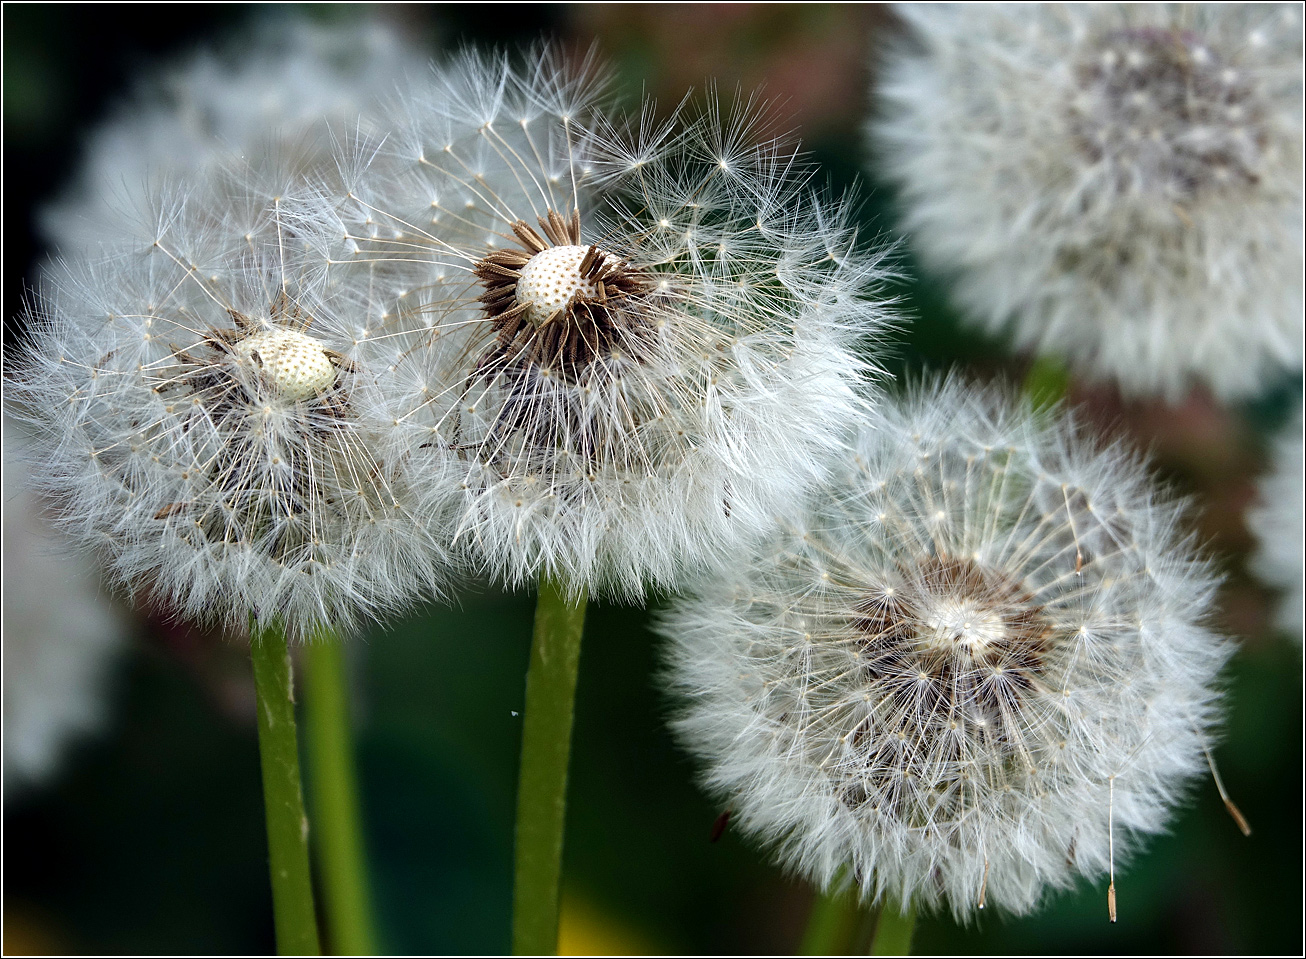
pixel 1117 184
pixel 972 668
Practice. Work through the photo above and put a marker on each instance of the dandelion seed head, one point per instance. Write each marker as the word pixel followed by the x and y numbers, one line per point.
pixel 978 639
pixel 227 437
pixel 639 352
pixel 1116 184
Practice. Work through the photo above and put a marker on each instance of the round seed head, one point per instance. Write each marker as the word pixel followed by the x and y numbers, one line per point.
pixel 1117 184
pixel 221 436
pixel 638 339
pixel 969 668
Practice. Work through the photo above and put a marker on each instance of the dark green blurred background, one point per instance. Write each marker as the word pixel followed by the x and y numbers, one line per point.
pixel 151 840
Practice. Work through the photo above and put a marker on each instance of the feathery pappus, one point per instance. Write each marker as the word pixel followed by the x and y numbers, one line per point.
pixel 974 665
pixel 641 333
pixel 1116 184
pixel 218 431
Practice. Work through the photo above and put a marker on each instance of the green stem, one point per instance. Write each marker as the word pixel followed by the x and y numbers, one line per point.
pixel 831 925
pixel 545 750
pixel 894 930
pixel 840 925
pixel 333 789
pixel 283 800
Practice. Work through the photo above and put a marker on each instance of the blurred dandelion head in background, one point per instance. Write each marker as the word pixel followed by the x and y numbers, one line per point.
pixel 639 333
pixel 1118 184
pixel 60 636
pixel 979 647
pixel 1278 521
pixel 265 103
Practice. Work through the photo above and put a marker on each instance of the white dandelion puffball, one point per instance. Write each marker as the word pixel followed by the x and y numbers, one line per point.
pixel 642 334
pixel 264 101
pixel 1116 184
pixel 969 669
pixel 1279 523
pixel 61 636
pixel 221 433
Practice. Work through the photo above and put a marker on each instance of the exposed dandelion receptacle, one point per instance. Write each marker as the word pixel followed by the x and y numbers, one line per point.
pixel 555 303
pixel 1119 185
pixel 972 667
pixel 640 334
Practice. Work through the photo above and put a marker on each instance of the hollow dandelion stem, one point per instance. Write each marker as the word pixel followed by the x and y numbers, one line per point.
pixel 546 749
pixel 333 790
pixel 893 931
pixel 283 799
pixel 839 924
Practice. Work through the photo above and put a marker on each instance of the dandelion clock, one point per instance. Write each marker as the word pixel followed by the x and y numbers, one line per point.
pixel 210 428
pixel 641 333
pixel 1119 185
pixel 974 666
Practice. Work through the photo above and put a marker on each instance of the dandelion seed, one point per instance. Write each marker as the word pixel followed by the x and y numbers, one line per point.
pixel 641 333
pixel 968 670
pixel 1117 184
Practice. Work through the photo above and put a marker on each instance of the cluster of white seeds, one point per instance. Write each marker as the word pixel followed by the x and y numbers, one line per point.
pixel 1120 185
pixel 222 435
pixel 971 668
pixel 655 347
